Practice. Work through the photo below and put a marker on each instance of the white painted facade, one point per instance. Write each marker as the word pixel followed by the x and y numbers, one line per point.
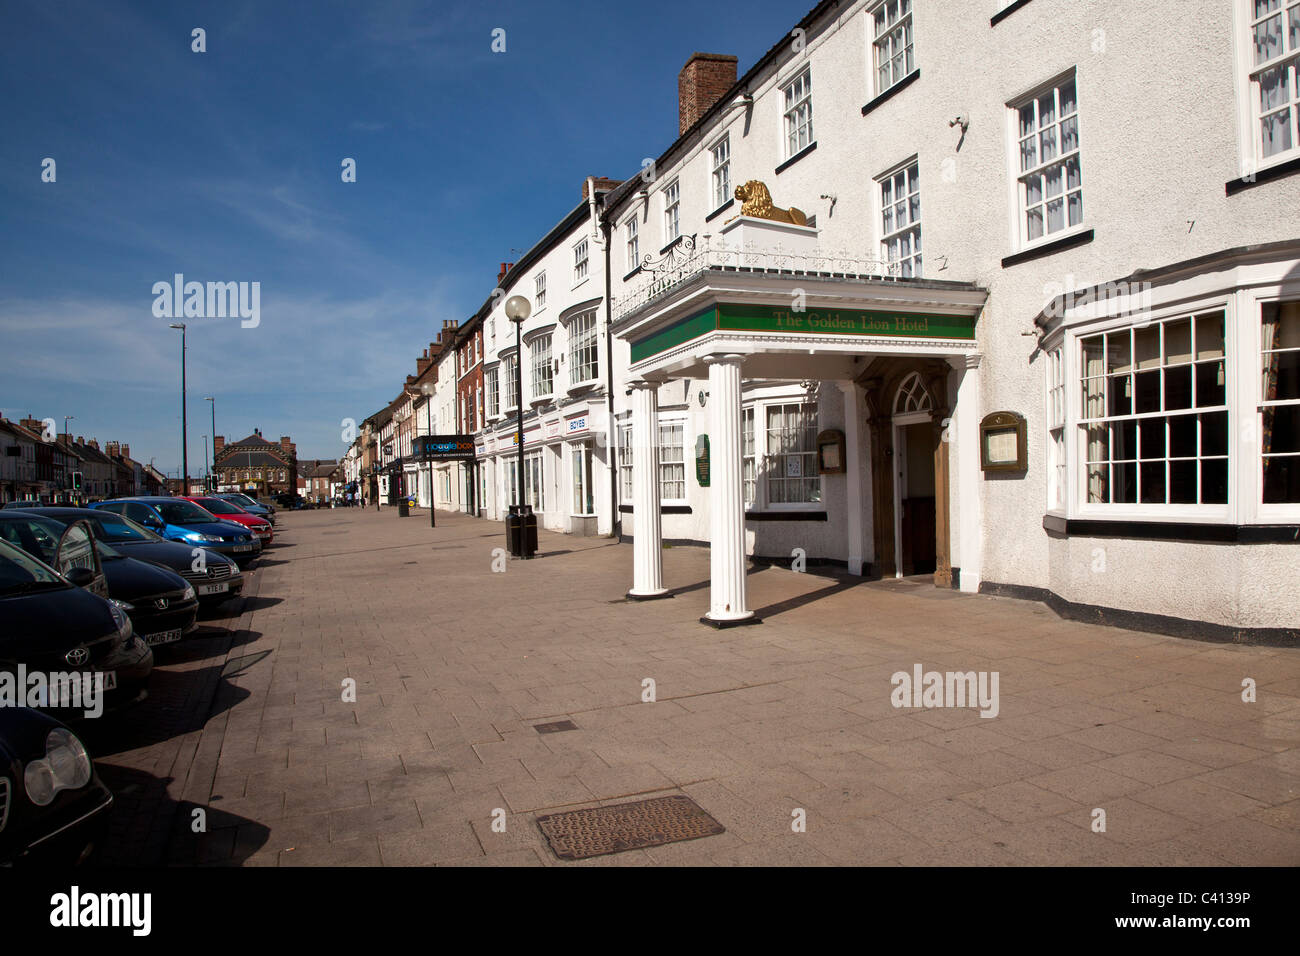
pixel 1157 162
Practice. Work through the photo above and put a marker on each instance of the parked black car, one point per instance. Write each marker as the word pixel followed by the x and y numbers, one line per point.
pixel 161 604
pixel 55 626
pixel 54 809
pixel 214 577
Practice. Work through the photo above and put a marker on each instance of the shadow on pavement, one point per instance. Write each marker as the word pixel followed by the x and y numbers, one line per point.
pixel 149 828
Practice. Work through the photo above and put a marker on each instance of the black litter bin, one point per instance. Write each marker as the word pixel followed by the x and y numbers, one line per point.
pixel 521 531
pixel 403 509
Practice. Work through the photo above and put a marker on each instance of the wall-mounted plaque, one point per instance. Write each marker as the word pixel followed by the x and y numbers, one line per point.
pixel 1002 442
pixel 830 452
pixel 702 460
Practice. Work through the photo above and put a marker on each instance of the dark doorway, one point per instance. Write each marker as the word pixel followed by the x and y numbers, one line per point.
pixel 916 484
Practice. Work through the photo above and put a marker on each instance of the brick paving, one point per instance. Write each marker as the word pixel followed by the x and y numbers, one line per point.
pixel 454 665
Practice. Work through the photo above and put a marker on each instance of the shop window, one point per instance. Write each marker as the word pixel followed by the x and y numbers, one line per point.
pixel 1279 410
pixel 1154 419
pixel 534 486
pixel 583 487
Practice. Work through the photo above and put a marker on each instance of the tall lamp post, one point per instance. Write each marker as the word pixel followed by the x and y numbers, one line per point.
pixel 517 310
pixel 185 452
pixel 67 451
pixel 214 439
pixel 427 390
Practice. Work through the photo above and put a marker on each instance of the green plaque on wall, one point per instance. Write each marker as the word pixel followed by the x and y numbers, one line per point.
pixel 702 460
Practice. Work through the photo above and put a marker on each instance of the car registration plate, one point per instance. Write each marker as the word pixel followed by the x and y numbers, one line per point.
pixel 163 637
pixel 243 547
pixel 67 693
pixel 219 588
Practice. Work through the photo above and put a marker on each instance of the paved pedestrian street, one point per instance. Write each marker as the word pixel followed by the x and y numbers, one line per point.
pixel 786 733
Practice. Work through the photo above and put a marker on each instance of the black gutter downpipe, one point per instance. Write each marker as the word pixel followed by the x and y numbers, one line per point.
pixel 615 516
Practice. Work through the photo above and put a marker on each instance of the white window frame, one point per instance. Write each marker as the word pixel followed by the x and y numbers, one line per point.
pixel 1248 75
pixel 668 466
pixel 581 257
pixel 720 172
pixel 1277 512
pixel 584 338
pixel 748 458
pixel 672 210
pixel 507 371
pixel 492 392
pixel 797 115
pixel 1022 176
pixel 626 488
pixel 583 484
pixel 541 371
pixel 539 292
pixel 881 34
pixel 535 479
pixel 632 229
pixel 1057 467
pixel 765 454
pixel 890 232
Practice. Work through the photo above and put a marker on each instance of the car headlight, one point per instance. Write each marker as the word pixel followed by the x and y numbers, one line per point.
pixel 206 538
pixel 65 766
pixel 119 618
pixel 188 593
pixel 123 605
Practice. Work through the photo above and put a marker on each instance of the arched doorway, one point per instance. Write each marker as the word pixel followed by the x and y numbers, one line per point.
pixel 913 477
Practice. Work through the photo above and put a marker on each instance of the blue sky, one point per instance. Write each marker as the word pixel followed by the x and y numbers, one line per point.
pixel 225 166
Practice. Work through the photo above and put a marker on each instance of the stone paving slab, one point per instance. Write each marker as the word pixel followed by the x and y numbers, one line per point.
pixel 785 732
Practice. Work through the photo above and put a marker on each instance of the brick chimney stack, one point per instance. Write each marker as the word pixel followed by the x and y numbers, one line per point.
pixel 505 267
pixel 218 443
pixel 126 451
pixel 112 449
pixel 289 447
pixel 603 185
pixel 703 81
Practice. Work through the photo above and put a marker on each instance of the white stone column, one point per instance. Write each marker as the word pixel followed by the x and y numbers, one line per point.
pixel 853 462
pixel 647 533
pixel 967 506
pixel 726 498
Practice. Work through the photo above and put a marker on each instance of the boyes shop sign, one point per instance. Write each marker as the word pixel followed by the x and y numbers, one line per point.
pixel 444 447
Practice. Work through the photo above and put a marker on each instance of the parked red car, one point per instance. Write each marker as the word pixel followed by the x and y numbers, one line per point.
pixel 228 511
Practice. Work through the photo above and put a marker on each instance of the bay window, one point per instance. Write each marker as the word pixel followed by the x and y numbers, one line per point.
pixel 540 382
pixel 584 359
pixel 1279 408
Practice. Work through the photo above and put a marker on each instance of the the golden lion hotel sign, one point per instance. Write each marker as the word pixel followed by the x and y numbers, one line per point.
pixel 726 317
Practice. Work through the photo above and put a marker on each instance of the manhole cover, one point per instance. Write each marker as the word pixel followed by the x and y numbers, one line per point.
pixel 579 834
pixel 555 727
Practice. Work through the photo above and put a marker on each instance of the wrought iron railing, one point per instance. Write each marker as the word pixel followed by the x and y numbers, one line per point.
pixel 658 276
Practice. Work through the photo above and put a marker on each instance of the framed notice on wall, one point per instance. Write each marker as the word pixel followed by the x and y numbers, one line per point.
pixel 1002 442
pixel 830 452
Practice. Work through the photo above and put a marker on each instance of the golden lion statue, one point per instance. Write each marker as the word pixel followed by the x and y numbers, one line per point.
pixel 756 201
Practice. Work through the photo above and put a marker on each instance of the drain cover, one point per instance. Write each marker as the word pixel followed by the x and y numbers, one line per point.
pixel 555 727
pixel 579 834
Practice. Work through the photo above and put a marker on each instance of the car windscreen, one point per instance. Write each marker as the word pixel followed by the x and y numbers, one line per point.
pixel 219 507
pixel 19 571
pixel 184 512
pixel 119 528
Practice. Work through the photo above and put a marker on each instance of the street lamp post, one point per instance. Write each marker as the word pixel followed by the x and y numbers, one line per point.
pixel 67 449
pixel 185 455
pixel 517 310
pixel 428 391
pixel 214 439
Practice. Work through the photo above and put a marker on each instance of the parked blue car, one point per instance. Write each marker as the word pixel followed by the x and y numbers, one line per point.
pixel 179 520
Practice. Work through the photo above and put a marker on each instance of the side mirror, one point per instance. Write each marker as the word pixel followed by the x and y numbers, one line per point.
pixel 81 577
